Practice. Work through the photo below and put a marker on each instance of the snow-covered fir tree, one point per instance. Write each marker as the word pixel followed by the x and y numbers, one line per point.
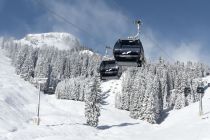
pixel 92 103
pixel 137 96
pixel 72 89
pixel 27 69
pixel 152 107
pixel 20 58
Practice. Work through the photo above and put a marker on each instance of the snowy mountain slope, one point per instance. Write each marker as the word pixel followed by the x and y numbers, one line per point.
pixel 15 96
pixel 64 119
pixel 62 41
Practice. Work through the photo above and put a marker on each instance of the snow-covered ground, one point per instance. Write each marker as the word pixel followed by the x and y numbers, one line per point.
pixel 64 119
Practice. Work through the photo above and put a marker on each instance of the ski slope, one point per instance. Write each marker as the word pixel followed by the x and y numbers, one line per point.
pixel 64 119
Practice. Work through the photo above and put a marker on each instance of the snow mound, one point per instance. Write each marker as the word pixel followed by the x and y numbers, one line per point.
pixel 62 41
pixel 88 52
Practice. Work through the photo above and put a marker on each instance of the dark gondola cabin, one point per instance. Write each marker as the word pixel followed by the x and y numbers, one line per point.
pixel 109 70
pixel 200 90
pixel 129 52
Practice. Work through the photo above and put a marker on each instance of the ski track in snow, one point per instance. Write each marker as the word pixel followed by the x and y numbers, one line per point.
pixel 64 119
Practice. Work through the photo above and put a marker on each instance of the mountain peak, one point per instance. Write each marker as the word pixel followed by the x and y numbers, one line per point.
pixel 60 40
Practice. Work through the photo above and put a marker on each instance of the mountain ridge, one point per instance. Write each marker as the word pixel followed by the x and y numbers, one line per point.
pixel 59 40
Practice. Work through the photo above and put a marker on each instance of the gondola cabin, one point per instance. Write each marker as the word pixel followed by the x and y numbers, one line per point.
pixel 109 70
pixel 129 52
pixel 200 90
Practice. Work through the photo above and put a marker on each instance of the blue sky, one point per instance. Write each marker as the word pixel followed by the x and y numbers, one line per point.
pixel 179 27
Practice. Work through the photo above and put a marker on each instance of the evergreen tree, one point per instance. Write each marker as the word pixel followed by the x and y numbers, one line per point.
pixel 72 89
pixel 21 56
pixel 137 95
pixel 27 69
pixel 151 108
pixel 180 86
pixel 92 103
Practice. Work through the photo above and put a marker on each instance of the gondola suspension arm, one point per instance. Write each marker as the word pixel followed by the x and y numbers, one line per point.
pixel 137 36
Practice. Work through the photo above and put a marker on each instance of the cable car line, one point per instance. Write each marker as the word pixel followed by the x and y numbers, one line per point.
pixel 164 52
pixel 66 20
pixel 123 10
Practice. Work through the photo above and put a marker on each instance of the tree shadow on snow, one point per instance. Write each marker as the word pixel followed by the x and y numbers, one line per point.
pixel 164 115
pixel 104 127
pixel 61 124
pixel 104 95
pixel 206 113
